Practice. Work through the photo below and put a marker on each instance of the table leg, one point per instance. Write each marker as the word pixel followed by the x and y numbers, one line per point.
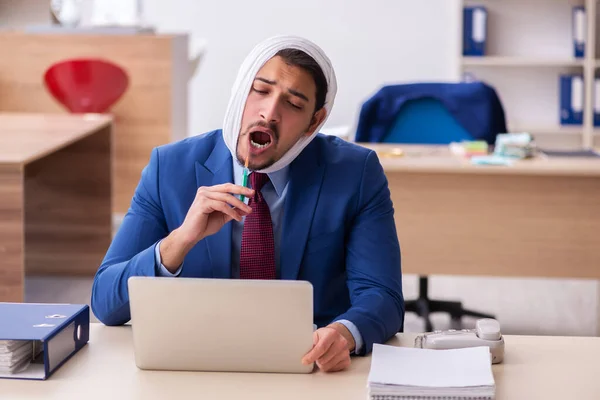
pixel 11 234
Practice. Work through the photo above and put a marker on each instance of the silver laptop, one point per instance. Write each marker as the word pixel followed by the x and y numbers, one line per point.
pixel 193 324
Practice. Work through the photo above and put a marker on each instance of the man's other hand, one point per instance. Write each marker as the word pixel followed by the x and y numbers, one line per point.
pixel 331 348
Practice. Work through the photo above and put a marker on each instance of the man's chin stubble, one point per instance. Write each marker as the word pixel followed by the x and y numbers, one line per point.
pixel 255 167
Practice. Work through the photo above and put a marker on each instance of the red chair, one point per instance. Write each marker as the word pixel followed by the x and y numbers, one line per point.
pixel 86 85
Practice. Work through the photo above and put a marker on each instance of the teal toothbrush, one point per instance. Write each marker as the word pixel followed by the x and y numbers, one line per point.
pixel 245 178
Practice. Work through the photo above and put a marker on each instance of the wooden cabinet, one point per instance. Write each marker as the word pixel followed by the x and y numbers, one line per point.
pixel 152 112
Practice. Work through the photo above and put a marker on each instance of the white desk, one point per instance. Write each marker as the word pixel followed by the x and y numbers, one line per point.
pixel 534 368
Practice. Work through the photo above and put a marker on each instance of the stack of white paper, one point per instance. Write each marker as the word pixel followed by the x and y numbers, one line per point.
pixel 15 355
pixel 412 373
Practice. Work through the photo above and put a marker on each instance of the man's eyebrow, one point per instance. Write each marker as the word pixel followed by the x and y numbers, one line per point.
pixel 265 80
pixel 298 94
pixel 291 91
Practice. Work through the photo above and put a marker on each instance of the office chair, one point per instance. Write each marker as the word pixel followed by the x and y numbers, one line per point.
pixel 433 114
pixel 86 85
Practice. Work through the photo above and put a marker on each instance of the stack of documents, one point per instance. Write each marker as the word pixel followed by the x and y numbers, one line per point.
pixel 15 355
pixel 412 373
pixel 515 145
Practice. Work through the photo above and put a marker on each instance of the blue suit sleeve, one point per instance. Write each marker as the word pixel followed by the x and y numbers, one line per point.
pixel 162 270
pixel 373 263
pixel 358 342
pixel 132 251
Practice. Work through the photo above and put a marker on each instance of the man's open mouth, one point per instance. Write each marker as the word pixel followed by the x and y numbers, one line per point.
pixel 260 139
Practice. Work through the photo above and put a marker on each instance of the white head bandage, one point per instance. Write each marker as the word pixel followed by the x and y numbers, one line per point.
pixel 262 53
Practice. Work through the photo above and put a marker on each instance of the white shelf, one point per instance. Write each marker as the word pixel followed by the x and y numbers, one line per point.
pixel 550 130
pixel 529 46
pixel 517 61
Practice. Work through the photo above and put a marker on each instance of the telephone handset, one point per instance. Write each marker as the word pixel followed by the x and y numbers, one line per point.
pixel 486 333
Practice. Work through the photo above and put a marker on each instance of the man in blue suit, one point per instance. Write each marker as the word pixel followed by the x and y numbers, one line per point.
pixel 322 212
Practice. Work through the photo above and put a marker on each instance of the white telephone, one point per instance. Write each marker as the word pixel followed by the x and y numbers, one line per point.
pixel 486 333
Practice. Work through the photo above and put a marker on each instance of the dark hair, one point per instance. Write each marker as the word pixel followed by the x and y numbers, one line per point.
pixel 302 60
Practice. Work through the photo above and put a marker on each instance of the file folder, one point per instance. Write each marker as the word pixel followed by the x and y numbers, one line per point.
pixel 597 102
pixel 474 30
pixel 37 339
pixel 579 31
pixel 571 99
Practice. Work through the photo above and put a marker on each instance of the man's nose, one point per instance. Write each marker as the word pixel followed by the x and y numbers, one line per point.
pixel 270 111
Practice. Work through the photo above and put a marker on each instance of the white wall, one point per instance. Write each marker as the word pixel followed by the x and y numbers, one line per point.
pixel 19 13
pixel 386 41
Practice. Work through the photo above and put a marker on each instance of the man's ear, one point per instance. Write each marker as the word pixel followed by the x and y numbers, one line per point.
pixel 316 120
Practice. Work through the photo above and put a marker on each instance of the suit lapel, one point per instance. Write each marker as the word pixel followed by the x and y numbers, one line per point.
pixel 216 170
pixel 306 177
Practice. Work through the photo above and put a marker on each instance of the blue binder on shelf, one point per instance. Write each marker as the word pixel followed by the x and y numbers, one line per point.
pixel 571 99
pixel 37 339
pixel 597 102
pixel 474 30
pixel 579 31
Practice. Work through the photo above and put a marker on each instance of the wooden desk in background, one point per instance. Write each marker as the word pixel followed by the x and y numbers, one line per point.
pixel 537 218
pixel 55 196
pixel 152 112
pixel 533 368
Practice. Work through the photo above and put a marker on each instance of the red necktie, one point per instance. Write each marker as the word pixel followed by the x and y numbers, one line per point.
pixel 257 255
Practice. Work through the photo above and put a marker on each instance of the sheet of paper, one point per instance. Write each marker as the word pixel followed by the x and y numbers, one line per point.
pixel 468 367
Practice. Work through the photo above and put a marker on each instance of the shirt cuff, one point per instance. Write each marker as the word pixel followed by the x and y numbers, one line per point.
pixel 162 270
pixel 358 340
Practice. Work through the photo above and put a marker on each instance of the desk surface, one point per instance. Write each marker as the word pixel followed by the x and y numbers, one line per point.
pixel 26 137
pixel 415 158
pixel 534 368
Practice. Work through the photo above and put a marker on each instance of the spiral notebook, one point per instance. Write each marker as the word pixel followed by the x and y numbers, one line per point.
pixel 400 373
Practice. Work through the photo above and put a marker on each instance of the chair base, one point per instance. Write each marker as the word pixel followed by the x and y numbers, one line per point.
pixel 423 306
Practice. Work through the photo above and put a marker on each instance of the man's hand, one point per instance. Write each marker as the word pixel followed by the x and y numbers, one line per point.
pixel 212 208
pixel 331 348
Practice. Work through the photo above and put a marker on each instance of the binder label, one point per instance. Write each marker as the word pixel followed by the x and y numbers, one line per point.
pixel 61 346
pixel 579 31
pixel 577 94
pixel 580 26
pixel 597 96
pixel 479 20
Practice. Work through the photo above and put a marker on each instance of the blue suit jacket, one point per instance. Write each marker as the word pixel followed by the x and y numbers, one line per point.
pixel 338 232
pixel 476 106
